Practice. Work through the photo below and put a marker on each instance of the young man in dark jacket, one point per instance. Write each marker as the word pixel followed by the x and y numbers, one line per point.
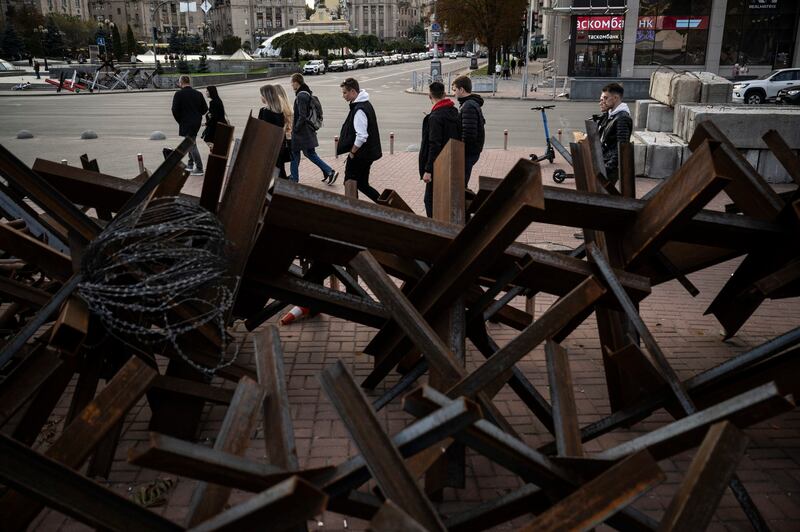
pixel 438 127
pixel 615 128
pixel 304 136
pixel 188 108
pixel 359 137
pixel 473 132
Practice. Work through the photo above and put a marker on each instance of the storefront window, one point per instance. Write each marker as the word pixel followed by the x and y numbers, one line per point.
pixel 672 32
pixel 759 32
pixel 597 48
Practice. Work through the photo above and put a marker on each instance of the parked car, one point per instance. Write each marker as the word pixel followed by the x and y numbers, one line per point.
pixel 378 61
pixel 350 63
pixel 387 60
pixel 452 55
pixel 315 66
pixel 789 96
pixel 397 58
pixel 361 63
pixel 406 57
pixel 336 66
pixel 470 54
pixel 766 87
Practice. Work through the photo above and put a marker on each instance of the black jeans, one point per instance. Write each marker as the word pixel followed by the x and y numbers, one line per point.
pixel 469 164
pixel 428 199
pixel 358 169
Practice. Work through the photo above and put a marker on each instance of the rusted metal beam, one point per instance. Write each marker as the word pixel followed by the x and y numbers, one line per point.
pixel 602 497
pixel 562 397
pixel 234 437
pixel 381 456
pixel 702 488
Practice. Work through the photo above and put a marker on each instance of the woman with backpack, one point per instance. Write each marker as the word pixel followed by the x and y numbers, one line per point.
pixel 214 116
pixel 276 111
pixel 307 120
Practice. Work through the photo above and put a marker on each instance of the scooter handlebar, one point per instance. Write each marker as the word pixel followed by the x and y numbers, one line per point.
pixel 542 108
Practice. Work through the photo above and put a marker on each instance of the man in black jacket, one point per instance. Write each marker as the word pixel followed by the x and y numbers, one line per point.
pixel 615 128
pixel 473 132
pixel 188 108
pixel 438 127
pixel 359 137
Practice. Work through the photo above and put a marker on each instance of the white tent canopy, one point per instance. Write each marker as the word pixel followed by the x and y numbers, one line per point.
pixel 241 55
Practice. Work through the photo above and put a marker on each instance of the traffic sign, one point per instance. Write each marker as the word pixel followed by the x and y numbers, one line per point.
pixel 101 41
pixel 206 7
pixel 436 34
pixel 436 26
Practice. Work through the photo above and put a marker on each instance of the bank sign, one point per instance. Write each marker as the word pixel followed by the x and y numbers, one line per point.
pixel 600 23
pixel 672 23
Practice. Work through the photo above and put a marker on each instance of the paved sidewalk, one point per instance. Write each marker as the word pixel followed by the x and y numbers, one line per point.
pixel 770 470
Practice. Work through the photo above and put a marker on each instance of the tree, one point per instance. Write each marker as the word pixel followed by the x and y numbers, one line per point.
pixel 76 33
pixel 417 33
pixel 230 44
pixel 130 41
pixel 368 42
pixel 290 44
pixel 13 46
pixel 53 42
pixel 493 23
pixel 119 50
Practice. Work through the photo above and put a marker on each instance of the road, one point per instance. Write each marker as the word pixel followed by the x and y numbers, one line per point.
pixel 124 121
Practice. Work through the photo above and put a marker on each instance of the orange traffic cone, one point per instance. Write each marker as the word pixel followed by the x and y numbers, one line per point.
pixel 295 314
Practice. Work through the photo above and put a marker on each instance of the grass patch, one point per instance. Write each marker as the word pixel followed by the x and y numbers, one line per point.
pixel 482 71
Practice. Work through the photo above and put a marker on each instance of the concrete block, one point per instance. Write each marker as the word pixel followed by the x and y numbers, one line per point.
pixel 24 134
pixel 88 135
pixel 639 157
pixel 745 125
pixel 751 156
pixel 664 153
pixel 672 88
pixel 714 88
pixel 771 169
pixel 640 113
pixel 659 117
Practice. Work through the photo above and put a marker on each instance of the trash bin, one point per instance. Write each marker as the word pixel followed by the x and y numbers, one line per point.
pixel 473 63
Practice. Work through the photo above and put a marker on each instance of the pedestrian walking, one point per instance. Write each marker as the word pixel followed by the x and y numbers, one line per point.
pixel 535 55
pixel 30 60
pixel 278 112
pixel 188 108
pixel 497 69
pixel 473 124
pixel 513 64
pixel 615 129
pixel 307 119
pixel 506 71
pixel 214 116
pixel 438 127
pixel 359 137
pixel 36 68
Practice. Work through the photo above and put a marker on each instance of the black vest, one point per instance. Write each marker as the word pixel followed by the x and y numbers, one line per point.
pixel 371 149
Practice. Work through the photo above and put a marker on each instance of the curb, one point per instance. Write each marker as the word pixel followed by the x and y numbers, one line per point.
pixel 488 96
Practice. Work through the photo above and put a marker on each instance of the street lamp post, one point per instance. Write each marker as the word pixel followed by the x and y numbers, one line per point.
pixel 42 31
pixel 529 33
pixel 155 28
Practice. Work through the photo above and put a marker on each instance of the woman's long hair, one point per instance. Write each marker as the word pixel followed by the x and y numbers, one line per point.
pixel 212 92
pixel 277 102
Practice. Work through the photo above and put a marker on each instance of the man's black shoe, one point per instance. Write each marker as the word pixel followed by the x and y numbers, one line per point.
pixel 331 178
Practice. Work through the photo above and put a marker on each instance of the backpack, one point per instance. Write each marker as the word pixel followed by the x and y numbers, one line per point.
pixel 314 117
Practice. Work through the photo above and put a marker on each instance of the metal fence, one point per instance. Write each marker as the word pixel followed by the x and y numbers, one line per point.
pixel 421 79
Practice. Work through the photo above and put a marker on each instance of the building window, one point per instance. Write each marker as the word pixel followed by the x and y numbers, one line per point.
pixel 760 33
pixel 672 32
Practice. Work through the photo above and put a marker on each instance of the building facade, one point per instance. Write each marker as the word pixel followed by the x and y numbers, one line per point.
pixel 253 20
pixel 386 20
pixel 615 38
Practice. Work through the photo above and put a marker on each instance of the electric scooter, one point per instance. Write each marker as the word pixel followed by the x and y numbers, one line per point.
pixel 550 153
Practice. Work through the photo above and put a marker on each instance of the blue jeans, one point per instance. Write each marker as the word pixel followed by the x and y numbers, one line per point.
pixel 311 155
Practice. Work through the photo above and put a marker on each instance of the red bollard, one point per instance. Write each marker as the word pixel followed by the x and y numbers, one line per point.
pixel 559 137
pixel 391 143
pixel 336 145
pixel 505 139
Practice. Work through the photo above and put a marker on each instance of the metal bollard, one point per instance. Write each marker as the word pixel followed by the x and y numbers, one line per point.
pixel 505 139
pixel 559 137
pixel 391 143
pixel 140 160
pixel 64 161
pixel 336 145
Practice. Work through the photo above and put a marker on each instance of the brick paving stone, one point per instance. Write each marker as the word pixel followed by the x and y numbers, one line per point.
pixel 691 341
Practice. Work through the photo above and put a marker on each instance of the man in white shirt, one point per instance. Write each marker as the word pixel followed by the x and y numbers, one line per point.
pixel 359 137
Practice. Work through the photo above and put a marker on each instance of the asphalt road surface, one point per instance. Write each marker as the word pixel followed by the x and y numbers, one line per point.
pixel 124 121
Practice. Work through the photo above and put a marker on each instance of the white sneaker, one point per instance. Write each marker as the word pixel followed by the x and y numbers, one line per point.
pixel 198 171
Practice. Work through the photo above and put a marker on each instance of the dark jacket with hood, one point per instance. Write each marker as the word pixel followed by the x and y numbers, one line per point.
pixel 304 136
pixel 371 149
pixel 216 115
pixel 188 108
pixel 439 126
pixel 616 128
pixel 473 131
